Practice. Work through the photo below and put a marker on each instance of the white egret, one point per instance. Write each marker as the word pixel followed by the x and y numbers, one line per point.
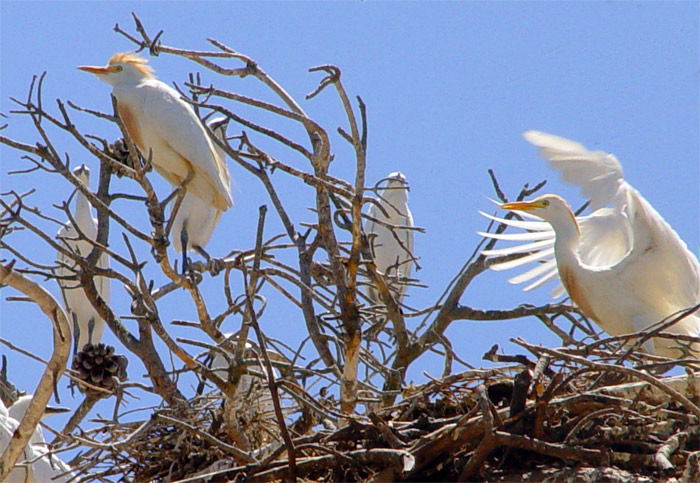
pixel 87 324
pixel 22 471
pixel 161 124
pixel 39 465
pixel 390 237
pixel 196 219
pixel 251 388
pixel 253 403
pixel 623 265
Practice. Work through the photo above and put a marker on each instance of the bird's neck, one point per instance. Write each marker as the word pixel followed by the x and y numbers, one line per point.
pixel 566 243
pixel 82 207
pixel 397 199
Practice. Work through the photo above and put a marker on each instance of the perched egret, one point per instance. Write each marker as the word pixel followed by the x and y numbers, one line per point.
pixel 195 219
pixel 622 265
pixel 40 465
pixel 389 235
pixel 87 324
pixel 165 127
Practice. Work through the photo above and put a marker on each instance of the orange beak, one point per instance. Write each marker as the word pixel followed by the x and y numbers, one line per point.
pixel 520 205
pixel 98 70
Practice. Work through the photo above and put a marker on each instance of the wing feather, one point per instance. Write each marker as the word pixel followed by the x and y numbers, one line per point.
pixel 542 268
pixel 598 174
pixel 176 123
pixel 524 248
pixel 657 249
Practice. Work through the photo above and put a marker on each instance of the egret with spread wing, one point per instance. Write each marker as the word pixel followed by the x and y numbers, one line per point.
pixel 388 229
pixel 622 265
pixel 195 219
pixel 166 129
pixel 86 323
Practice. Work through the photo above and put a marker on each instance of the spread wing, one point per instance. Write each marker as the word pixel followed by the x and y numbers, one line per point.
pixel 657 249
pixel 598 174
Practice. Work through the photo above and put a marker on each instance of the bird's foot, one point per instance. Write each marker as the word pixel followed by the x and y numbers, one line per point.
pixel 215 265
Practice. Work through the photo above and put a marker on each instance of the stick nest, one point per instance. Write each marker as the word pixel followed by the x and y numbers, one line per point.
pixel 559 417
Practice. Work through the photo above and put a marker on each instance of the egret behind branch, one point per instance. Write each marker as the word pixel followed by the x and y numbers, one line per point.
pixel 390 237
pixel 86 323
pixel 166 129
pixel 253 404
pixel 623 266
pixel 39 464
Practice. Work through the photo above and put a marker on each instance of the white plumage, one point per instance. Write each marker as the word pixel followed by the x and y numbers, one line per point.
pixel 254 396
pixel 195 220
pixel 86 324
pixel 36 464
pixel 390 239
pixel 161 123
pixel 623 265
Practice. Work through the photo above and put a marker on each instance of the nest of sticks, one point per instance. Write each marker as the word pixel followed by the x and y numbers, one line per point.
pixel 554 415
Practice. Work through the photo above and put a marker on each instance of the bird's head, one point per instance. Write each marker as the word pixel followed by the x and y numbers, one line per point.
pixel 19 408
pixel 218 125
pixel 122 68
pixel 396 183
pixel 550 208
pixel 82 172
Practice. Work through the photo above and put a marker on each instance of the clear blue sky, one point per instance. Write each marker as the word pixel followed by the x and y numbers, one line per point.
pixel 449 88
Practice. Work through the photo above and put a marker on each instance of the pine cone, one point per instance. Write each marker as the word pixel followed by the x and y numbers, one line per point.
pixel 96 364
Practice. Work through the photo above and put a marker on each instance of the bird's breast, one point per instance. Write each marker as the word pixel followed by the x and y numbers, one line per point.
pixel 132 125
pixel 572 285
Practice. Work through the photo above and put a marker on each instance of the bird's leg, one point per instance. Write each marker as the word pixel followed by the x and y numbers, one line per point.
pixel 176 208
pixel 215 264
pixel 207 363
pixel 91 329
pixel 76 333
pixel 184 240
pixel 178 192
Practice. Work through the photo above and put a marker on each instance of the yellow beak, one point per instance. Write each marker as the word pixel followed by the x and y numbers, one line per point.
pixel 520 205
pixel 98 70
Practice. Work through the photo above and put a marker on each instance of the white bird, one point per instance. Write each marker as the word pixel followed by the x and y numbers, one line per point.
pixel 38 464
pixel 623 265
pixel 22 471
pixel 162 124
pixel 390 236
pixel 195 219
pixel 87 325
pixel 254 401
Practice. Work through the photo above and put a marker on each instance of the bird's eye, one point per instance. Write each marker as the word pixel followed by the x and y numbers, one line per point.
pixel 545 202
pixel 119 68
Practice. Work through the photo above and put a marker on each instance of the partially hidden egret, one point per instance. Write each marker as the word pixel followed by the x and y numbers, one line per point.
pixel 622 265
pixel 254 401
pixel 196 219
pixel 390 237
pixel 249 385
pixel 86 323
pixel 38 464
pixel 166 129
